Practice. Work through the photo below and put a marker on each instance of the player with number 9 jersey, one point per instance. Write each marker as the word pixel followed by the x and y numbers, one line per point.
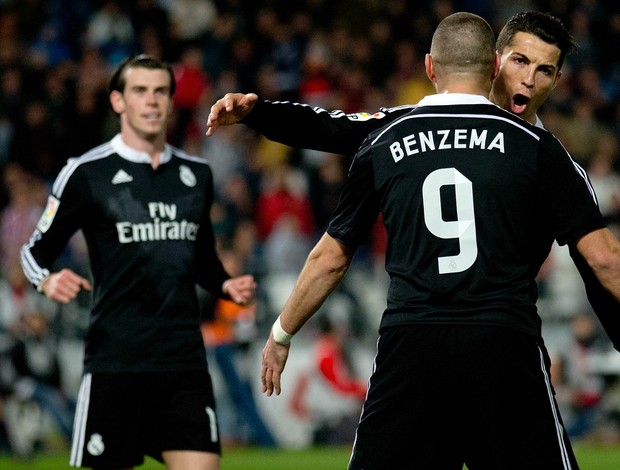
pixel 472 198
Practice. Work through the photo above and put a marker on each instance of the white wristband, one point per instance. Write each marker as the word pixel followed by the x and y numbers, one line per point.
pixel 279 335
pixel 40 286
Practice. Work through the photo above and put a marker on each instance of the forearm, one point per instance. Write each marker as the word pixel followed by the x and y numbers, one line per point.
pixel 604 304
pixel 602 253
pixel 325 267
pixel 609 275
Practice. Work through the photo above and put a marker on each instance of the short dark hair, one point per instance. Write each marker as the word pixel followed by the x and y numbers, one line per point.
pixel 464 42
pixel 118 79
pixel 542 25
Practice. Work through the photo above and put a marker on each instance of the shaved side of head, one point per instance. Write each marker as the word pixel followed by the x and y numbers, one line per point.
pixel 463 43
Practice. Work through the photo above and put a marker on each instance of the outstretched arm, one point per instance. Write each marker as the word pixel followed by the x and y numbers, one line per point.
pixel 300 125
pixel 325 267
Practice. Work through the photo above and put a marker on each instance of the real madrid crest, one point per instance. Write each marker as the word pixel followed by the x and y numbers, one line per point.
pixel 95 445
pixel 187 176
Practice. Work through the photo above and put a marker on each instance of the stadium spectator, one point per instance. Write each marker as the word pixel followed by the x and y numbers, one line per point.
pixel 193 91
pixel 111 31
pixel 579 389
pixel 605 178
pixel 191 21
pixel 26 200
pixel 19 302
pixel 330 394
pixel 227 330
pixel 37 364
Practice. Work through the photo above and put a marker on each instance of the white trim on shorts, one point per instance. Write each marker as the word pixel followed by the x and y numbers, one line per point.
pixel 79 425
pixel 558 425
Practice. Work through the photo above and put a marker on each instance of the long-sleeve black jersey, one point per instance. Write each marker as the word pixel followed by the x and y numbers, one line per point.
pixel 338 132
pixel 315 128
pixel 150 241
pixel 472 198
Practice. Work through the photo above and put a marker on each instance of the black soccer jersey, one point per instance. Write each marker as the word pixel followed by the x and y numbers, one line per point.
pixel 472 198
pixel 150 241
pixel 336 131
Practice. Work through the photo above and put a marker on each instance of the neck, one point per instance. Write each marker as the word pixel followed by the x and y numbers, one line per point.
pixel 153 147
pixel 467 88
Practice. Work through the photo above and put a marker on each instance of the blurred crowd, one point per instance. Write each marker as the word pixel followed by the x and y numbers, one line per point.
pixel 272 202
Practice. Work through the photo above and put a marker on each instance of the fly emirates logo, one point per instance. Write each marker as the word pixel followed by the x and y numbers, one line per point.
pixel 163 226
pixel 446 139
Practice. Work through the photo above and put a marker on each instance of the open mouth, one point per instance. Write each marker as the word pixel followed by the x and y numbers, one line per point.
pixel 519 103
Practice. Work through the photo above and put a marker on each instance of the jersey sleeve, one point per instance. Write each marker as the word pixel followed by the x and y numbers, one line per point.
pixel 358 206
pixel 304 126
pixel 575 209
pixel 64 214
pixel 570 202
pixel 210 270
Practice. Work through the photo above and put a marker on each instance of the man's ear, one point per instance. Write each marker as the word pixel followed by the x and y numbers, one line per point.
pixel 430 68
pixel 496 66
pixel 557 79
pixel 117 102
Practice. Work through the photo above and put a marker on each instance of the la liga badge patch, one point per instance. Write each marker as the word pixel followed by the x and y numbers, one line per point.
pixel 48 214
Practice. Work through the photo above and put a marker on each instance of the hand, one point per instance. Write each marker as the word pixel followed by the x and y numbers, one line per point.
pixel 241 289
pixel 274 360
pixel 64 286
pixel 230 109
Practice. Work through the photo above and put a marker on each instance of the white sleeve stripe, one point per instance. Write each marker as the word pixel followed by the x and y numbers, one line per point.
pixel 582 172
pixel 338 113
pixel 32 270
pixel 73 163
pixel 584 175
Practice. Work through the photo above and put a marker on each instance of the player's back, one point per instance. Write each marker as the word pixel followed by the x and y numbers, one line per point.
pixel 466 198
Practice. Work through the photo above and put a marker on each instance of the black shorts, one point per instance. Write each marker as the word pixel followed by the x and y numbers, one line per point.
pixel 444 396
pixel 122 417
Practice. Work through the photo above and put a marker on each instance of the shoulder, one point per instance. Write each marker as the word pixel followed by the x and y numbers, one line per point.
pixel 550 145
pixel 386 114
pixel 399 110
pixel 399 116
pixel 77 164
pixel 192 169
pixel 189 159
pixel 554 152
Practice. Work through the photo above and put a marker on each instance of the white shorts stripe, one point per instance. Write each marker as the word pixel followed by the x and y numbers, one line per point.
pixel 79 426
pixel 558 426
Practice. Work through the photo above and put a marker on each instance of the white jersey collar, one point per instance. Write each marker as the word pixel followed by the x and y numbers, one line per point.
pixel 539 123
pixel 136 156
pixel 461 98
pixel 452 98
